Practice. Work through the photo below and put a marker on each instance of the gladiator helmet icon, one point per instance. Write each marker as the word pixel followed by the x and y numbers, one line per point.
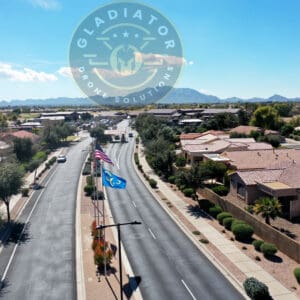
pixel 126 59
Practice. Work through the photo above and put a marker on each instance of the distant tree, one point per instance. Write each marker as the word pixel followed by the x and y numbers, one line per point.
pixel 11 181
pixel 283 109
pixel 23 149
pixel 180 161
pixel 3 121
pixel 268 208
pixel 98 133
pixel 86 116
pixel 243 117
pixel 212 170
pixel 265 117
pixel 286 130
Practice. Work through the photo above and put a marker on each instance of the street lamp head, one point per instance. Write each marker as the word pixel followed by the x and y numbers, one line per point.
pixel 136 223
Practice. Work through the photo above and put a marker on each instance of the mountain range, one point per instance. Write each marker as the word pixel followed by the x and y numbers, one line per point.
pixel 176 96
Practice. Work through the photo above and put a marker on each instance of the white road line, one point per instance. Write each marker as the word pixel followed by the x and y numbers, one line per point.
pixel 23 230
pixel 185 285
pixel 133 203
pixel 152 233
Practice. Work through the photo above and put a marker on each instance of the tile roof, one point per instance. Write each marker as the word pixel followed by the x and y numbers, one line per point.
pixel 215 146
pixel 210 111
pixel 24 134
pixel 262 159
pixel 243 129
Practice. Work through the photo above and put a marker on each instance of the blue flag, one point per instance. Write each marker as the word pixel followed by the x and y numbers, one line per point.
pixel 113 181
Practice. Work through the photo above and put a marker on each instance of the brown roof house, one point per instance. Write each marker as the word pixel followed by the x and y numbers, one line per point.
pixel 22 134
pixel 267 173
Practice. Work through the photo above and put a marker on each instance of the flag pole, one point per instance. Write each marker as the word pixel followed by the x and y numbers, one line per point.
pixel 103 221
pixel 93 176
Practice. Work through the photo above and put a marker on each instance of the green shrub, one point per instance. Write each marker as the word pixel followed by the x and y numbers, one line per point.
pixel 257 244
pixel 180 161
pixel 215 210
pixel 227 222
pixel 171 179
pixel 40 155
pixel 204 241
pixel 242 232
pixel 235 222
pixel 205 204
pixel 297 274
pixel 89 180
pixel 87 169
pixel 25 192
pixel 153 183
pixel 268 249
pixel 88 189
pixel 32 165
pixel 221 190
pixel 221 216
pixel 136 158
pixel 52 160
pixel 255 289
pixel 188 192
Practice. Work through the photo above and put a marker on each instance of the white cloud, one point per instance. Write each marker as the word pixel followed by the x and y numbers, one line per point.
pixel 24 75
pixel 46 4
pixel 65 71
pixel 191 62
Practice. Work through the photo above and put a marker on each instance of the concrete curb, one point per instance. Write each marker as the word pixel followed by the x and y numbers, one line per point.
pixel 80 282
pixel 209 256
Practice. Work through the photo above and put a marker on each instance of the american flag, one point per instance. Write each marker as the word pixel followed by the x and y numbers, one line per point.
pixel 99 154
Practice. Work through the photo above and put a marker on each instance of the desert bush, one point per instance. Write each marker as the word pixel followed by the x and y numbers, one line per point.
pixel 215 210
pixel 256 289
pixel 221 216
pixel 227 222
pixel 268 249
pixel 257 244
pixel 153 183
pixel 188 192
pixel 221 190
pixel 25 192
pixel 88 189
pixel 89 180
pixel 171 179
pixel 242 232
pixel 235 222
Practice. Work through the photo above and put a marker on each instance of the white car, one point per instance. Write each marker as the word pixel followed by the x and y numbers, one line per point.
pixel 61 158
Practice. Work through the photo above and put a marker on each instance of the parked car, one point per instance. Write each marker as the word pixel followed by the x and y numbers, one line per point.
pixel 61 159
pixel 130 134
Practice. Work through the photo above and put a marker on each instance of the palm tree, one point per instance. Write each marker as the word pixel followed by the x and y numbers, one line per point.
pixel 269 208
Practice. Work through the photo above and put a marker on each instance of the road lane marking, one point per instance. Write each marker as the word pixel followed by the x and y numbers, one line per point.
pixel 185 285
pixel 152 233
pixel 133 203
pixel 22 232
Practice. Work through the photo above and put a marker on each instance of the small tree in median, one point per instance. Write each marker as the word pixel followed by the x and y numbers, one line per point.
pixel 11 181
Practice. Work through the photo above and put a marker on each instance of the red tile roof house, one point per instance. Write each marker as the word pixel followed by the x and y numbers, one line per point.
pixel 267 173
pixel 10 136
pixel 196 146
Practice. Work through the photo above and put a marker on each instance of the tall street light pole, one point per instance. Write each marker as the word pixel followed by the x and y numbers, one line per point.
pixel 118 225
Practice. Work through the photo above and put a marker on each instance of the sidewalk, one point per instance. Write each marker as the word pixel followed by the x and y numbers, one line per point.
pixel 234 256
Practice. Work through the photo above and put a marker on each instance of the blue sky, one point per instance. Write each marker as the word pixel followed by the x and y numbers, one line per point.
pixel 241 48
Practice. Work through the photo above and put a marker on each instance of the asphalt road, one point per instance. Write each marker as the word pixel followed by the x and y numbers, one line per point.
pixel 167 262
pixel 42 266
